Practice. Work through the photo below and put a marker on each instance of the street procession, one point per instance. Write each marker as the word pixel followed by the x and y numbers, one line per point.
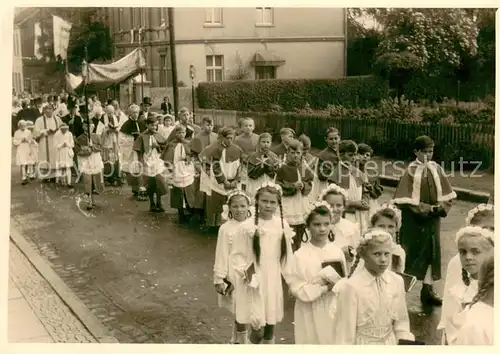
pixel 283 221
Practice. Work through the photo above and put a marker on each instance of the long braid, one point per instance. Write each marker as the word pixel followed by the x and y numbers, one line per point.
pixel 256 236
pixel 486 287
pixel 354 265
pixel 283 240
pixel 398 238
pixel 465 277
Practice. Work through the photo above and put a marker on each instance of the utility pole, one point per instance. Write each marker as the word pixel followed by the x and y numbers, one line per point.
pixel 173 59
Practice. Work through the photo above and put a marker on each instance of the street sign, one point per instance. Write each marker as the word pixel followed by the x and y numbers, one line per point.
pixel 192 72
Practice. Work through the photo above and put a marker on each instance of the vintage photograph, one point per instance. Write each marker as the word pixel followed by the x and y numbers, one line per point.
pixel 252 175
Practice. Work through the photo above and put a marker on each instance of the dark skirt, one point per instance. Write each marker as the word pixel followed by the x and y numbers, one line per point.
pixel 214 209
pixel 420 238
pixel 180 195
pixel 155 184
pixel 200 197
pixel 134 182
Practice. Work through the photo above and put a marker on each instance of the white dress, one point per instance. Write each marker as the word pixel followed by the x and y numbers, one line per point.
pixel 478 326
pixel 346 233
pixel 222 264
pixel 261 302
pixel 370 310
pixel 313 324
pixel 455 297
pixel 64 154
pixel 23 149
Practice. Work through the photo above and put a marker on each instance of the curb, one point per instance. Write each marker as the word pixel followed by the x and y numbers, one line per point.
pixel 462 193
pixel 81 311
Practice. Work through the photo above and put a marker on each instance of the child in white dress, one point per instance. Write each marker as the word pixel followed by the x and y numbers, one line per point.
pixel 370 306
pixel 21 141
pixel 262 253
pixel 64 145
pixel 479 317
pixel 237 211
pixel 33 155
pixel 388 218
pixel 483 215
pixel 166 125
pixel 474 243
pixel 345 234
pixel 312 279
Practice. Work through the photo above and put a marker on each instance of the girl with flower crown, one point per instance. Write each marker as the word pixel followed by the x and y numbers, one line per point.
pixel 262 253
pixel 474 243
pixel 479 316
pixel 234 212
pixel 344 233
pixel 483 215
pixel 313 278
pixel 388 218
pixel 370 306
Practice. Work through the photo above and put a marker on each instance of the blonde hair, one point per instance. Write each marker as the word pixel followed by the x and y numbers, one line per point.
pixel 370 237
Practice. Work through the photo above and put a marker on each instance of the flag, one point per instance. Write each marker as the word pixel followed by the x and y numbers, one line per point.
pixel 38 34
pixel 62 30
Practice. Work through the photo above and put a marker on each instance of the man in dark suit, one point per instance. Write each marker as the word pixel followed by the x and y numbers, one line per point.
pixel 166 106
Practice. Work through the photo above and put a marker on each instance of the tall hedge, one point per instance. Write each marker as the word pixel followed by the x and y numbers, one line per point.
pixel 293 94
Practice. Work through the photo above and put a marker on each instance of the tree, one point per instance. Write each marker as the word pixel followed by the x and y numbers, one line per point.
pixel 88 29
pixel 440 37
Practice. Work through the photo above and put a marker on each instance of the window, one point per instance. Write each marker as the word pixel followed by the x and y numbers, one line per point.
pixel 215 68
pixel 213 16
pixel 163 70
pixel 264 16
pixel 120 19
pixel 265 72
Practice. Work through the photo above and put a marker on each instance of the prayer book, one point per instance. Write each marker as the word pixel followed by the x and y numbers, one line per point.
pixel 337 265
pixel 249 272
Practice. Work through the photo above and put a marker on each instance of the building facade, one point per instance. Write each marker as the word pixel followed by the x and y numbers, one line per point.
pixel 17 62
pixel 235 43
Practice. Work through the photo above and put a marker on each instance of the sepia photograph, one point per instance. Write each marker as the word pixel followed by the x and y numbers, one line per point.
pixel 252 175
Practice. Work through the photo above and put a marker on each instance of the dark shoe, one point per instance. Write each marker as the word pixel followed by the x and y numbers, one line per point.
pixel 429 297
pixel 24 182
pixel 70 186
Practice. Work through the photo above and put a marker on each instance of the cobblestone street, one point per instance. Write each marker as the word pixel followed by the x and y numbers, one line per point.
pixel 36 313
pixel 144 277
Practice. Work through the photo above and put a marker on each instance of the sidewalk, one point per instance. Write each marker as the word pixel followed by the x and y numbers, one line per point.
pixel 36 314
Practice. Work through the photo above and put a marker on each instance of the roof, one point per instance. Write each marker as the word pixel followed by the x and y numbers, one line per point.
pixel 22 14
pixel 267 58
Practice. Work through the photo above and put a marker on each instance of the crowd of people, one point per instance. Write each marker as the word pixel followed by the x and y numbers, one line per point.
pixel 281 212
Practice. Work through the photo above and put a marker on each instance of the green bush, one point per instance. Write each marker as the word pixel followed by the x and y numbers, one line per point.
pixel 290 95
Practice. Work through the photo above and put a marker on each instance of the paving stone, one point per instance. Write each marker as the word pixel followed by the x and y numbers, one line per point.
pixel 53 315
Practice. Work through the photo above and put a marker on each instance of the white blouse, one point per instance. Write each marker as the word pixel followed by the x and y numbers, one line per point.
pixel 370 310
pixel 478 326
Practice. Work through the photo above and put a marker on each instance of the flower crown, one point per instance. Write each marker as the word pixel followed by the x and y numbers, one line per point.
pixel 317 204
pixel 393 207
pixel 231 194
pixel 475 230
pixel 271 185
pixel 474 211
pixel 370 234
pixel 333 188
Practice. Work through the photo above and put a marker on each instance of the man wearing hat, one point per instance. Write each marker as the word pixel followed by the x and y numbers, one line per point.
pixel 145 106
